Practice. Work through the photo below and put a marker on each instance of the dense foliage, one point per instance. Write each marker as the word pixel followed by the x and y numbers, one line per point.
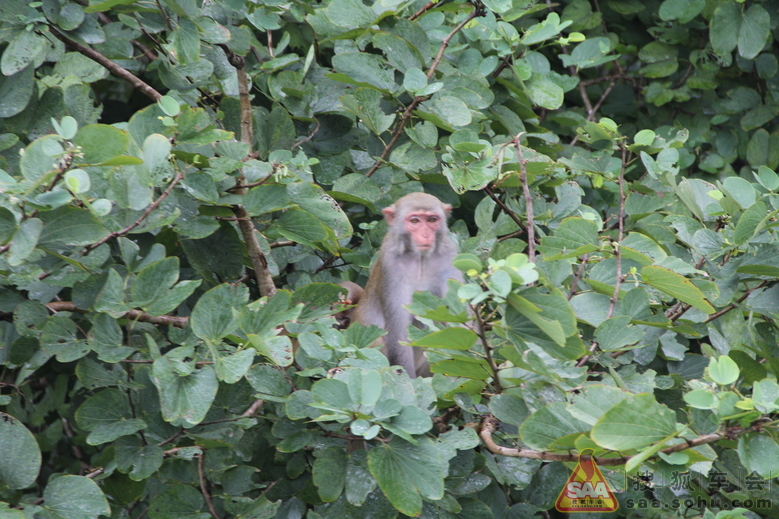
pixel 183 181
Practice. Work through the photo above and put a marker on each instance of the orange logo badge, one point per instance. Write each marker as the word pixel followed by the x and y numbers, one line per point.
pixel 586 490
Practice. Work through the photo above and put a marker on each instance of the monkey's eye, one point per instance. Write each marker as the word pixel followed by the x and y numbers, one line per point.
pixel 414 219
pixel 432 219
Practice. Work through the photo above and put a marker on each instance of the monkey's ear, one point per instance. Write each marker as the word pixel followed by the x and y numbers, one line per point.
pixel 389 214
pixel 447 209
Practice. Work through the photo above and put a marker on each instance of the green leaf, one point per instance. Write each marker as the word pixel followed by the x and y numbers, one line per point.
pixel 701 399
pixel 171 299
pixel 16 92
pixel 59 337
pixel 68 226
pixel 548 425
pixel 765 394
pixel 759 453
pixel 329 473
pixel 509 408
pixel 550 327
pixel 364 386
pixel 365 104
pixel 178 501
pixel 277 349
pixel 617 332
pixel 574 237
pixel 452 110
pixel 269 381
pixel 186 399
pixel 266 198
pixel 682 10
pixel 100 143
pixel 111 297
pixel 108 406
pixel 357 188
pixel 75 497
pixel 302 227
pixel 20 457
pixel 350 13
pixel 24 241
pixel 214 316
pixel 364 69
pixel 359 482
pixel 724 28
pixel 544 92
pixel 71 16
pixel 315 201
pixel 449 338
pixel 633 423
pixel 410 420
pixel 154 280
pixel 754 31
pixel 676 286
pixel 695 195
pixel 723 370
pixel 749 223
pixel 22 50
pixel 406 473
pixel 767 178
pixel 232 368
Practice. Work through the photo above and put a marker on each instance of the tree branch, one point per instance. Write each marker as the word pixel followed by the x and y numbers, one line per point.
pixel 113 68
pixel 489 425
pixel 135 315
pixel 248 231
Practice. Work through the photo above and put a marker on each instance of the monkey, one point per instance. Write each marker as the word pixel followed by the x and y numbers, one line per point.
pixel 416 255
pixel 345 317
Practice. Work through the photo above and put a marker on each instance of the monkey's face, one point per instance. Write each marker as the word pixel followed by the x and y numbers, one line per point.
pixel 423 226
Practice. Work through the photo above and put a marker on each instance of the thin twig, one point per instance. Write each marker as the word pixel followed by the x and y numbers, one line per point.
pixel 731 306
pixel 203 488
pixel 136 223
pixel 253 408
pixel 113 68
pixel 503 206
pixel 591 116
pixel 620 234
pixel 487 349
pixel 578 275
pixel 531 232
pixel 306 139
pixel 422 11
pixel 418 99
